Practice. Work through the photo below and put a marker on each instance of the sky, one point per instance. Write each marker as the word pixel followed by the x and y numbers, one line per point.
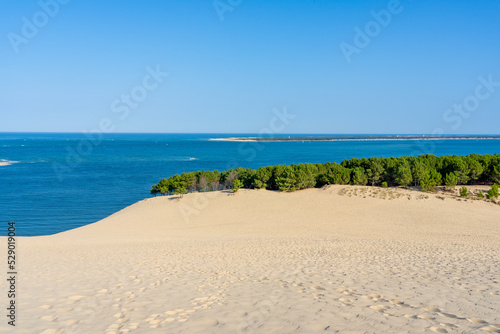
pixel 232 66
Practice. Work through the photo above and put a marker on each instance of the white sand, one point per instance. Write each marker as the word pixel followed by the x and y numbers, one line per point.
pixel 337 260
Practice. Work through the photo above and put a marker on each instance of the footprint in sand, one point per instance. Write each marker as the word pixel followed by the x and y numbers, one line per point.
pixel 476 320
pixel 432 309
pixel 206 322
pixel 379 307
pixel 46 307
pixel 317 287
pixel 425 317
pixel 390 315
pixel 134 325
pixel 438 330
pixel 448 325
pixel 119 315
pixel 49 318
pixel 396 302
pixel 113 328
pixel 170 313
pixel 75 299
pixel 52 331
pixel 71 322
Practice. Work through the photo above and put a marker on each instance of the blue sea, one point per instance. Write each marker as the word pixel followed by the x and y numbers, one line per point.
pixel 55 182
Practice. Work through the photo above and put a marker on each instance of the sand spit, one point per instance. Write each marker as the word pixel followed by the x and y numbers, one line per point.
pixel 315 139
pixel 341 259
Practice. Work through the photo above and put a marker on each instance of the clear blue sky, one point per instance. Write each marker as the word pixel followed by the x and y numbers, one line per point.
pixel 228 75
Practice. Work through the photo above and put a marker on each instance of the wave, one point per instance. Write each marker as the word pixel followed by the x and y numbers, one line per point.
pixel 4 162
pixel 175 159
pixel 185 159
pixel 34 162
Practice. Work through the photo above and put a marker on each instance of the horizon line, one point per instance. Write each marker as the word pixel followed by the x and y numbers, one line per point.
pixel 250 133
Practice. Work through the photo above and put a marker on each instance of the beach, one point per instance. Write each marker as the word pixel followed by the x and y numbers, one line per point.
pixel 341 259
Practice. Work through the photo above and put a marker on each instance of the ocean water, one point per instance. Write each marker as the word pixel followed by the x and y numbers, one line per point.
pixel 55 182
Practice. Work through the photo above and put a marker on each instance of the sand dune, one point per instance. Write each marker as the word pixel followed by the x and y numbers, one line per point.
pixel 337 260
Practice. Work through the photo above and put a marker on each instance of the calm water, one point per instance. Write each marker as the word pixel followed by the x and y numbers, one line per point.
pixel 56 182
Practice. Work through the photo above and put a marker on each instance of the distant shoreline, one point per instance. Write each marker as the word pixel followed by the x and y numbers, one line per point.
pixel 351 138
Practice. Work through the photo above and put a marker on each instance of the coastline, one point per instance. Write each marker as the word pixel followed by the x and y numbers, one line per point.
pixel 257 261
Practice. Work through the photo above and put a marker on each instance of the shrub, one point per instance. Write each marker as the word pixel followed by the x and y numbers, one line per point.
pixel 384 184
pixel 464 192
pixel 493 192
pixel 480 195
pixel 237 184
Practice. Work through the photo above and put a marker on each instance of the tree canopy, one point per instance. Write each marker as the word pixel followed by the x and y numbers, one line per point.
pixel 426 171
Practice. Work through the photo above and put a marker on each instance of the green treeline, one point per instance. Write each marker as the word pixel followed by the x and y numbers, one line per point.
pixel 426 171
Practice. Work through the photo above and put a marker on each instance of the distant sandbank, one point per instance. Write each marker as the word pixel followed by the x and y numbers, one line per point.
pixel 349 138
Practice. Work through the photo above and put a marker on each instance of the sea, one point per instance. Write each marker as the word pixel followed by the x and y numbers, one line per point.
pixel 54 182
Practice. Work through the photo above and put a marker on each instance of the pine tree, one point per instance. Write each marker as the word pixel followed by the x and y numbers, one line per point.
pixel 286 181
pixel 475 170
pixel 403 176
pixel 419 170
pixel 358 176
pixel 375 171
pixel 180 191
pixel 450 180
pixel 430 180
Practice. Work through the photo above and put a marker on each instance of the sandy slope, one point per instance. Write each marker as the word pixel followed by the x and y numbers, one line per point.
pixel 335 260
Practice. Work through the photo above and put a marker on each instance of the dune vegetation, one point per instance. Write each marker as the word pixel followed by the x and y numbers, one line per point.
pixel 426 171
